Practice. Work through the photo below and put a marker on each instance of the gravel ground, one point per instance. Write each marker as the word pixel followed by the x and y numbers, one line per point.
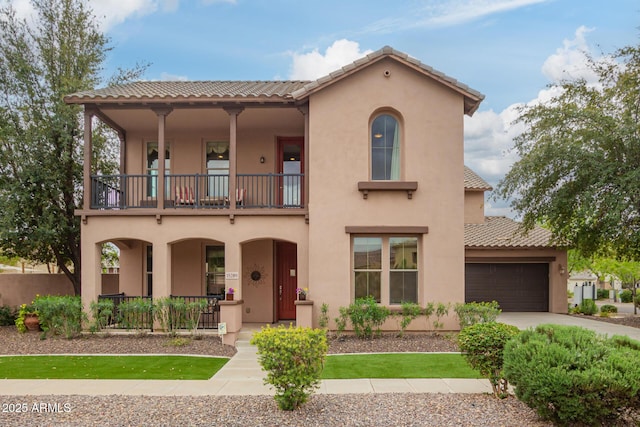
pixel 391 409
pixel 322 410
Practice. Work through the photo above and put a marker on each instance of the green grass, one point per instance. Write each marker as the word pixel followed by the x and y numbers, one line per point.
pixel 110 367
pixel 397 365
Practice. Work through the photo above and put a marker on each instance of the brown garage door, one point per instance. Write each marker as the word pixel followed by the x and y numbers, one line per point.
pixel 516 287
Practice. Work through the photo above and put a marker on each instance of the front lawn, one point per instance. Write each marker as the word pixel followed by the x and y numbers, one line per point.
pixel 110 367
pixel 397 365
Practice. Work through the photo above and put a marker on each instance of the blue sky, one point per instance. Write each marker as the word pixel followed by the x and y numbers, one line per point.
pixel 507 49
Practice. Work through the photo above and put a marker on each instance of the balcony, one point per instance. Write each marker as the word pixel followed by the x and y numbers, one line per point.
pixel 198 191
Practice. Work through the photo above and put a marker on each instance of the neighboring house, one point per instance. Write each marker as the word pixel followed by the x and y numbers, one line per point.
pixel 350 185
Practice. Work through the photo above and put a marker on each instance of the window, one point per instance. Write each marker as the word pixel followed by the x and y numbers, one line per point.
pixel 367 266
pixel 386 263
pixel 152 167
pixel 403 266
pixel 218 169
pixel 385 148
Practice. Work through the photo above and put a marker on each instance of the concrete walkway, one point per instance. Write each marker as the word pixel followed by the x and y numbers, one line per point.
pixel 242 375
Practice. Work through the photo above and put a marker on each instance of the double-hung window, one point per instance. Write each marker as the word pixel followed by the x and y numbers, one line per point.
pixel 386 268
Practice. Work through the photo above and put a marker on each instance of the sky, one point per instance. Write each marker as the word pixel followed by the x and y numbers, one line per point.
pixel 509 50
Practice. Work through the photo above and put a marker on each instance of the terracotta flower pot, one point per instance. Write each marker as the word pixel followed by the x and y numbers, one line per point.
pixel 31 322
pixel 229 297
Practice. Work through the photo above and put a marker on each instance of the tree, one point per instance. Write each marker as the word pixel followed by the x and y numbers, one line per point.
pixel 61 52
pixel 578 170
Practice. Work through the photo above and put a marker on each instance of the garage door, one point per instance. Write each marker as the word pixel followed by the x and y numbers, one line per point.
pixel 516 287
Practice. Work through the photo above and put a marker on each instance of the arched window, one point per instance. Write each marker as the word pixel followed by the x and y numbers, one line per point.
pixel 385 148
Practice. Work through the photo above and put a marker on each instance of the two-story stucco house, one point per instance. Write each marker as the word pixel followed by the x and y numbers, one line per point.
pixel 350 185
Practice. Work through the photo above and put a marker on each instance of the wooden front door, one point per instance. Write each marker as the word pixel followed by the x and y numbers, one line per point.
pixel 286 279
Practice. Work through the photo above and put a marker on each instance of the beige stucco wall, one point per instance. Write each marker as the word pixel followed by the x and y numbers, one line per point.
pixel 473 207
pixel 259 295
pixel 557 269
pixel 432 154
pixel 17 289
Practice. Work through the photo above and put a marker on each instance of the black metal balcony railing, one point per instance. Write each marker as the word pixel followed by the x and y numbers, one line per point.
pixel 272 191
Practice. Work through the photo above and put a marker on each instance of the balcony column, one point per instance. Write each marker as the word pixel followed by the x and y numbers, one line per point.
pixel 233 112
pixel 88 148
pixel 161 188
pixel 304 109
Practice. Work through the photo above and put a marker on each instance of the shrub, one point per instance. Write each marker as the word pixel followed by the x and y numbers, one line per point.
pixel 293 359
pixel 341 321
pixel 365 314
pixel 441 310
pixel 170 313
pixel 136 314
pixel 603 294
pixel 323 321
pixel 60 315
pixel 477 312
pixel 8 315
pixel 428 312
pixel 483 346
pixel 409 312
pixel 608 308
pixel 571 375
pixel 193 312
pixel 587 307
pixel 626 295
pixel 102 312
pixel 637 303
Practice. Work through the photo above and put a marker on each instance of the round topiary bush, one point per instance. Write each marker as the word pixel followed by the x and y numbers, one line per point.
pixel 482 345
pixel 572 375
pixel 608 308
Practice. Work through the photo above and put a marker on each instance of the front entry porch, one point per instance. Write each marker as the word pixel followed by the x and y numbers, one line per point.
pixel 264 274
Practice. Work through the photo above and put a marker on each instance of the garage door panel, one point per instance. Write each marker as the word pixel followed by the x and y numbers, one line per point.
pixel 516 287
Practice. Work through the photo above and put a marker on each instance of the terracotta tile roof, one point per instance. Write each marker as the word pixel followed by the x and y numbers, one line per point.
pixel 472 181
pixel 267 91
pixel 472 97
pixel 503 232
pixel 192 90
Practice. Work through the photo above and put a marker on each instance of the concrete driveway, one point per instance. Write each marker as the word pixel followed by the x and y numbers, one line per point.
pixel 528 320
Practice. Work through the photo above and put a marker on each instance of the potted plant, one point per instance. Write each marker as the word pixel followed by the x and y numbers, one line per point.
pixel 302 293
pixel 27 319
pixel 230 292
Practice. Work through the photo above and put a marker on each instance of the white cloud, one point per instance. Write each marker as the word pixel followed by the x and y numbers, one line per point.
pixel 168 77
pixel 313 65
pixel 113 12
pixel 454 12
pixel 570 61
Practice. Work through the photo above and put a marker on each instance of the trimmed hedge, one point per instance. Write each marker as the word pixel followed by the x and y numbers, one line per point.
pixel 482 345
pixel 572 375
pixel 293 359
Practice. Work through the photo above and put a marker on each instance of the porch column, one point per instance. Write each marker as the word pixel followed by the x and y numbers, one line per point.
pixel 88 148
pixel 231 311
pixel 233 112
pixel 123 154
pixel 304 109
pixel 161 269
pixel 91 274
pixel 162 117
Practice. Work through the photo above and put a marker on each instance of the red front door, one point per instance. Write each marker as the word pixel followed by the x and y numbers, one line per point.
pixel 286 279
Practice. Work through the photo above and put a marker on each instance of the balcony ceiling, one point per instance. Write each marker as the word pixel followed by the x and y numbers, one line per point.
pixel 203 119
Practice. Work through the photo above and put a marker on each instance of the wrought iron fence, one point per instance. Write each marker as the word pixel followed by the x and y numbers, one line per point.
pixel 136 312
